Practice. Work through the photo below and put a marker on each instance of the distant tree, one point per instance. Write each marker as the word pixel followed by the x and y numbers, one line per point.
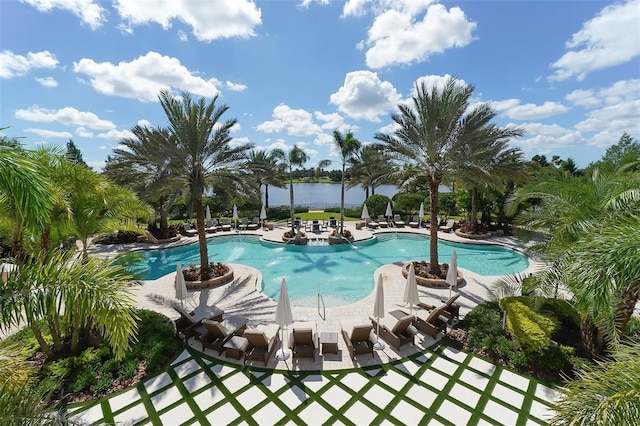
pixel 540 159
pixel 626 150
pixel 371 167
pixel 294 157
pixel 266 170
pixel 73 153
pixel 347 146
pixel 322 164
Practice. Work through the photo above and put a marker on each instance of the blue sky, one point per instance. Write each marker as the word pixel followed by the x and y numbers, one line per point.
pixel 291 72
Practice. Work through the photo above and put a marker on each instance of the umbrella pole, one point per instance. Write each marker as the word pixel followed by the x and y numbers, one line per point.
pixel 378 345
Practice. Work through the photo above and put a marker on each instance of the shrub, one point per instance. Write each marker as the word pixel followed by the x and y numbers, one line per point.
pixel 483 325
pixel 377 204
pixel 408 203
pixel 82 381
pixel 532 330
pixel 554 358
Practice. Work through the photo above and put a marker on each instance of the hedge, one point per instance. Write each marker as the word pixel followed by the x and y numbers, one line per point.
pixel 532 330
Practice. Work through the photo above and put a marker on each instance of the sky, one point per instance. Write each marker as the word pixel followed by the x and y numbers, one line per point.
pixel 293 71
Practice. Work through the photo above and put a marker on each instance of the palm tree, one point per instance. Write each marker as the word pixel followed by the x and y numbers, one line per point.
pixel 143 166
pixel 347 146
pixel 266 171
pixel 322 164
pixel 369 168
pixel 428 136
pixel 202 154
pixel 294 157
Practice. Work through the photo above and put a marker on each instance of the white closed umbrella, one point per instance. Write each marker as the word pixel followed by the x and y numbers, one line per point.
pixel 389 212
pixel 284 317
pixel 207 213
pixel 378 311
pixel 263 214
pixel 421 213
pixel 452 273
pixel 6 269
pixel 411 295
pixel 365 214
pixel 181 286
pixel 235 216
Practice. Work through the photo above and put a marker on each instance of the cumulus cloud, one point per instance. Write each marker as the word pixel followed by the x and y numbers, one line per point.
pixel 47 81
pixel 434 80
pixel 144 77
pixel 364 96
pixel 13 65
pixel 236 87
pixel 296 122
pixel 49 133
pixel 83 133
pixel 89 11
pixel 209 20
pixel 622 116
pixel 68 116
pixel 409 31
pixel 535 112
pixel 543 138
pixel 607 40
pixel 584 98
pixel 117 134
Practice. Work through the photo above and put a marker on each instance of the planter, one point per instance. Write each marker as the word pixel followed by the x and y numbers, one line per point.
pixel 431 282
pixel 213 282
pixel 301 241
pixel 471 236
pixel 333 240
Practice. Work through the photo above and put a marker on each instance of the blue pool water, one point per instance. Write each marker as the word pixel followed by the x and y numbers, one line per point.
pixel 342 273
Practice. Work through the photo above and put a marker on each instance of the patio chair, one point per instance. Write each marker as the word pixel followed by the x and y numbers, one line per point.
pixel 216 333
pixel 226 225
pixel 315 226
pixel 210 226
pixel 244 224
pixel 415 222
pixel 188 321
pixel 448 226
pixel 254 225
pixel 262 342
pixel 303 340
pixel 382 222
pixel 451 311
pixel 431 323
pixel 397 221
pixel 370 223
pixel 189 230
pixel 358 337
pixel 395 331
pixel 333 223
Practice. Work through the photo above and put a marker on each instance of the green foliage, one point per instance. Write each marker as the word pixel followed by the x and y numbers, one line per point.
pixel 408 203
pixel 483 324
pixel 564 310
pixel 532 330
pixel 377 204
pixel 447 205
pixel 555 358
pixel 633 327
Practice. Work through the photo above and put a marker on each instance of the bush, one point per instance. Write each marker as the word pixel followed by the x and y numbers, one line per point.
pixel 483 325
pixel 408 203
pixel 532 330
pixel 377 204
pixel 554 358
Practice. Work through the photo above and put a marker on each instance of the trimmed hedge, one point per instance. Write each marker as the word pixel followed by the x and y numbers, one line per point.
pixel 532 330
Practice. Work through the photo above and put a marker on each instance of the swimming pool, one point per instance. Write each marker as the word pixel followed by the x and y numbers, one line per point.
pixel 342 273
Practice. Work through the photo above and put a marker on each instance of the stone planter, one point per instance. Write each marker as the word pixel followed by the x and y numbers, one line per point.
pixel 471 236
pixel 333 240
pixel 431 282
pixel 302 241
pixel 213 282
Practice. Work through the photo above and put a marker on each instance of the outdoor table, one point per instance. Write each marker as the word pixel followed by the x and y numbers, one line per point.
pixel 329 342
pixel 236 347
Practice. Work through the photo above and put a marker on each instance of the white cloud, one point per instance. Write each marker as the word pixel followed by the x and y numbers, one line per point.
pixel 236 87
pixel 324 139
pixel 609 39
pixel 49 133
pixel 364 96
pixel 13 65
pixel 543 138
pixel 144 77
pixel 89 11
pixel 434 80
pixel 279 144
pixel 584 98
pixel 209 20
pixel 296 122
pixel 116 134
pixel 144 123
pixel 68 116
pixel 622 116
pixel 535 112
pixel 83 133
pixel 400 35
pixel 306 3
pixel 334 121
pixel 182 36
pixel 47 81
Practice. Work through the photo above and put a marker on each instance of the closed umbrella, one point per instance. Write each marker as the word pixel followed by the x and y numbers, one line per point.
pixel 181 286
pixel 284 317
pixel 378 311
pixel 421 213
pixel 263 214
pixel 389 212
pixel 5 270
pixel 207 213
pixel 411 295
pixel 365 214
pixel 452 273
pixel 235 216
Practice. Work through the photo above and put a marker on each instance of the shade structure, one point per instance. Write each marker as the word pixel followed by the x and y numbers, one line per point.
pixel 388 212
pixel 411 296
pixel 207 213
pixel 378 311
pixel 284 317
pixel 365 212
pixel 452 273
pixel 421 213
pixel 181 286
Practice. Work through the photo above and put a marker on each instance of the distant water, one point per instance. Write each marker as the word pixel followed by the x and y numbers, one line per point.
pixel 322 195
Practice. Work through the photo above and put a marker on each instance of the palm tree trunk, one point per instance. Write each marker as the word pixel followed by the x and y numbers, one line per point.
pixel 266 196
pixel 45 239
pixel 591 340
pixel 38 335
pixel 342 202
pixel 626 305
pixel 474 209
pixel 433 229
pixel 293 231
pixel 366 192
pixel 17 248
pixel 202 238
pixel 55 334
pixel 373 190
pixel 75 333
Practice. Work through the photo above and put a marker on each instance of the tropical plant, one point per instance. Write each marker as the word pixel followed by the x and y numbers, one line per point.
pixel 266 171
pixel 74 296
pixel 347 146
pixel 201 153
pixel 370 167
pixel 322 164
pixel 294 157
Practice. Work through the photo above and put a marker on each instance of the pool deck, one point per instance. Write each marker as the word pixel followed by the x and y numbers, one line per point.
pixel 243 297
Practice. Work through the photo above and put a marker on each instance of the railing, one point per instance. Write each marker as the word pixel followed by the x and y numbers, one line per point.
pixel 322 315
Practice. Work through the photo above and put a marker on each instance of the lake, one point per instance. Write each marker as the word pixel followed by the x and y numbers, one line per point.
pixel 322 195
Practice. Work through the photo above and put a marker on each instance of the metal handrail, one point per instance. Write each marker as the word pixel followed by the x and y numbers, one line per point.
pixel 322 315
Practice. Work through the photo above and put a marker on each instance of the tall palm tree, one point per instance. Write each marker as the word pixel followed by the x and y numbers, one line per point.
pixel 322 164
pixel 143 166
pixel 369 168
pixel 428 136
pixel 266 171
pixel 347 146
pixel 294 157
pixel 202 153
